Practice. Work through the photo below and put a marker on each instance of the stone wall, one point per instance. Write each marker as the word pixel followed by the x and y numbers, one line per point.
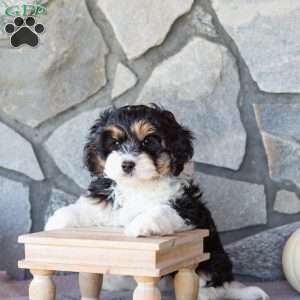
pixel 230 70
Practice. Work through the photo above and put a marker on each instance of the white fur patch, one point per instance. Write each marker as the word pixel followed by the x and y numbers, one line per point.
pixel 161 220
pixel 141 206
pixel 81 214
pixel 139 196
pixel 144 168
pixel 245 293
pixel 233 290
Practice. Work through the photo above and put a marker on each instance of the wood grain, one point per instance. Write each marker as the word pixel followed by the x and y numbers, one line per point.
pixel 107 250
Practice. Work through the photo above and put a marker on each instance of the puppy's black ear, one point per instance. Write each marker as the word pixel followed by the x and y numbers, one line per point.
pixel 179 141
pixel 92 160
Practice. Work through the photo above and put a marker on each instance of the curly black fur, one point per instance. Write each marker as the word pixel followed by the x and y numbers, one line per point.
pixel 178 145
pixel 191 208
pixel 101 188
pixel 178 139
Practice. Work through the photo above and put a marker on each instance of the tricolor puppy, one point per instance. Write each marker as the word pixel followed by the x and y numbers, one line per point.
pixel 137 155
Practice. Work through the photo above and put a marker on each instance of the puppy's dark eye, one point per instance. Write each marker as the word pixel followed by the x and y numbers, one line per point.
pixel 151 141
pixel 115 144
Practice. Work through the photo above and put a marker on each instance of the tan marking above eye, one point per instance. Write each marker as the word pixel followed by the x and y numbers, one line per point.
pixel 116 132
pixel 142 128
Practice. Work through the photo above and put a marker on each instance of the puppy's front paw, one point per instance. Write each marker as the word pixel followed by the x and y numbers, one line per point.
pixel 256 293
pixel 207 294
pixel 62 218
pixel 141 226
pixel 147 225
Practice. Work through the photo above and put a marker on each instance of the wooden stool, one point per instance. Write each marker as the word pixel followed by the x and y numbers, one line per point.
pixel 97 251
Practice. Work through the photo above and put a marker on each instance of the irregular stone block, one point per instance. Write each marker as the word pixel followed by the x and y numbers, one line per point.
pixel 141 25
pixel 200 86
pixel 274 62
pixel 287 203
pixel 17 154
pixel 14 221
pixel 63 70
pixel 66 145
pixel 124 80
pixel 260 255
pixel 280 128
pixel 57 200
pixel 233 204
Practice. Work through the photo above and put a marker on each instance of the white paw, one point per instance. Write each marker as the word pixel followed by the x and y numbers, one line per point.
pixel 257 293
pixel 236 291
pixel 207 294
pixel 62 218
pixel 147 225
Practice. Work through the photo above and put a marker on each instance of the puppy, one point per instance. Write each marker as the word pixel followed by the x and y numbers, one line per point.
pixel 136 155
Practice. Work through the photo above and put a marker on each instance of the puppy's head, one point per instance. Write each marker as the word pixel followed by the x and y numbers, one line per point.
pixel 137 143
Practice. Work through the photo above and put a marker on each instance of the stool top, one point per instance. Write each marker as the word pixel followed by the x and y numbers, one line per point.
pixel 107 237
pixel 108 250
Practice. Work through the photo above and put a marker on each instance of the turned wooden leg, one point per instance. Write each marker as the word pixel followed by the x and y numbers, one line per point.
pixel 186 284
pixel 146 289
pixel 41 286
pixel 90 285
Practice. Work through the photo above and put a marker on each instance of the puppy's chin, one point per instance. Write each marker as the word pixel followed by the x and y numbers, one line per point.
pixel 143 171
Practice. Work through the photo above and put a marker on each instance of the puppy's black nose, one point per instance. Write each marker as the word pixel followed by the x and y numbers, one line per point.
pixel 128 166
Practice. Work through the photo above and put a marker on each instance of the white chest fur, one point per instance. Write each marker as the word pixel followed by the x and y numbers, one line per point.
pixel 132 199
pixel 143 208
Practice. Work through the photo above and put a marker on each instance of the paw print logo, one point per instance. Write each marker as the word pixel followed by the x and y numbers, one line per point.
pixel 24 32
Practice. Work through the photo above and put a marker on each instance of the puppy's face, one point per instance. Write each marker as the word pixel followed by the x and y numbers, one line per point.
pixel 137 143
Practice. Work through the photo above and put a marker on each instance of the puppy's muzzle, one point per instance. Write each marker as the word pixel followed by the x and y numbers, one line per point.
pixel 128 166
